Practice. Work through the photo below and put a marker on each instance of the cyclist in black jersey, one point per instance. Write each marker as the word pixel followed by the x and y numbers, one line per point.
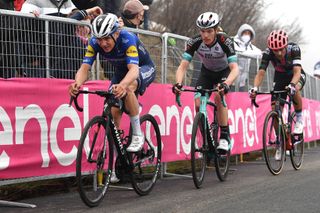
pixel 219 67
pixel 286 59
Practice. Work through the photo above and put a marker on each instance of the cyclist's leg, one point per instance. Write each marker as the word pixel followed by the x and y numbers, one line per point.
pixel 222 113
pixel 298 106
pixel 146 77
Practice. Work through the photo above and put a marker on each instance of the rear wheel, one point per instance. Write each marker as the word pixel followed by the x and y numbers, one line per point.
pixel 94 162
pixel 297 147
pixel 147 162
pixel 199 150
pixel 273 143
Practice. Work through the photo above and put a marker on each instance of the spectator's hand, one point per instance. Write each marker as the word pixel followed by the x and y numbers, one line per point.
pixel 292 89
pixel 36 13
pixel 82 32
pixel 94 12
pixel 74 89
pixel 223 88
pixel 253 92
pixel 176 88
pixel 119 90
pixel 121 23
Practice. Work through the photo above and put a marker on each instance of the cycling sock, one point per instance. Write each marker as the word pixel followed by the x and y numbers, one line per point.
pixel 135 123
pixel 299 115
pixel 224 132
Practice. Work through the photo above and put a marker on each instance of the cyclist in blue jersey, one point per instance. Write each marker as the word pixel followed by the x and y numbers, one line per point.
pixel 219 67
pixel 134 69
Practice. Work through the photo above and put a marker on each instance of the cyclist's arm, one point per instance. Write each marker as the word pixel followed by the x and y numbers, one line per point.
pixel 296 74
pixel 82 74
pixel 233 73
pixel 181 71
pixel 259 78
pixel 131 75
pixel 80 78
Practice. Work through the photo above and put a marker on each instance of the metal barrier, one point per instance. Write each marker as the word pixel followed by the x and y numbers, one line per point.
pixel 48 46
pixel 39 47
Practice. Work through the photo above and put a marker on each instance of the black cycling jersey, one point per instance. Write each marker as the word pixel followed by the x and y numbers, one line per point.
pixel 283 68
pixel 214 58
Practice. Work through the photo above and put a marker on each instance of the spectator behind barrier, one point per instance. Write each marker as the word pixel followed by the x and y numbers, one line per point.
pixel 243 45
pixel 133 14
pixel 59 56
pixel 108 6
pixel 10 65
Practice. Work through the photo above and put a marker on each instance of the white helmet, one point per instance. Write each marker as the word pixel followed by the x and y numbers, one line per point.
pixel 208 20
pixel 105 25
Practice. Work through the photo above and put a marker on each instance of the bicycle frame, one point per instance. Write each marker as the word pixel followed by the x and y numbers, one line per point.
pixel 285 126
pixel 115 135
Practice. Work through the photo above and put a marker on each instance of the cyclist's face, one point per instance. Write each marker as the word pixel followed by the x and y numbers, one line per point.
pixel 107 43
pixel 208 35
pixel 280 53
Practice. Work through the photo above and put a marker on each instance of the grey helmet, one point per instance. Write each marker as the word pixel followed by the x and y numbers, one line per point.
pixel 105 25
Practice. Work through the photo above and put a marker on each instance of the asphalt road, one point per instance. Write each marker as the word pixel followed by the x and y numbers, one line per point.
pixel 250 187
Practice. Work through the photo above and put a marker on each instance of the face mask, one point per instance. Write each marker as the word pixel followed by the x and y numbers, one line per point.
pixel 245 38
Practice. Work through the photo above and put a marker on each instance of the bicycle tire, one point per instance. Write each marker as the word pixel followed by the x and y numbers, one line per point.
pixel 297 147
pixel 199 150
pixel 273 140
pixel 147 162
pixel 221 161
pixel 94 177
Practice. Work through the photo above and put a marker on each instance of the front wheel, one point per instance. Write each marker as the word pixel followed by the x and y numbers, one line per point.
pixel 199 150
pixel 273 143
pixel 147 162
pixel 94 162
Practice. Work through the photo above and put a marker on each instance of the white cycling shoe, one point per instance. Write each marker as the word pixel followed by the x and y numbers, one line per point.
pixel 277 156
pixel 298 127
pixel 136 143
pixel 114 178
pixel 223 145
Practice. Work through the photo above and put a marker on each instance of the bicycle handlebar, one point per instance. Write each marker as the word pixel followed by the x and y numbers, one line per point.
pixel 178 100
pixel 101 93
pixel 253 101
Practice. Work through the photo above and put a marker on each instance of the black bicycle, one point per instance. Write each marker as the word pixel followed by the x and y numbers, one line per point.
pixel 95 154
pixel 278 136
pixel 204 139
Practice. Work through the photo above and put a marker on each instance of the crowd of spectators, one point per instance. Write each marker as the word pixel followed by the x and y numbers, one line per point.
pixel 30 58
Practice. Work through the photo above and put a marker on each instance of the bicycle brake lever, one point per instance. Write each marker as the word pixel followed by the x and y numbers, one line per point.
pixel 178 100
pixel 253 102
pixel 75 101
pixel 71 100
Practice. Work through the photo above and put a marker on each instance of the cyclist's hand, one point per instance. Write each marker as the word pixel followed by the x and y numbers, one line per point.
pixel 223 88
pixel 74 89
pixel 176 88
pixel 119 90
pixel 291 89
pixel 253 92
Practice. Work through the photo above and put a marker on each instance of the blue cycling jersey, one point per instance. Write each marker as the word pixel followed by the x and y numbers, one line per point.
pixel 128 50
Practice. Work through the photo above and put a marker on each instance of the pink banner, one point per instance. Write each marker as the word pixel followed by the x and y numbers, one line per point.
pixel 39 133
